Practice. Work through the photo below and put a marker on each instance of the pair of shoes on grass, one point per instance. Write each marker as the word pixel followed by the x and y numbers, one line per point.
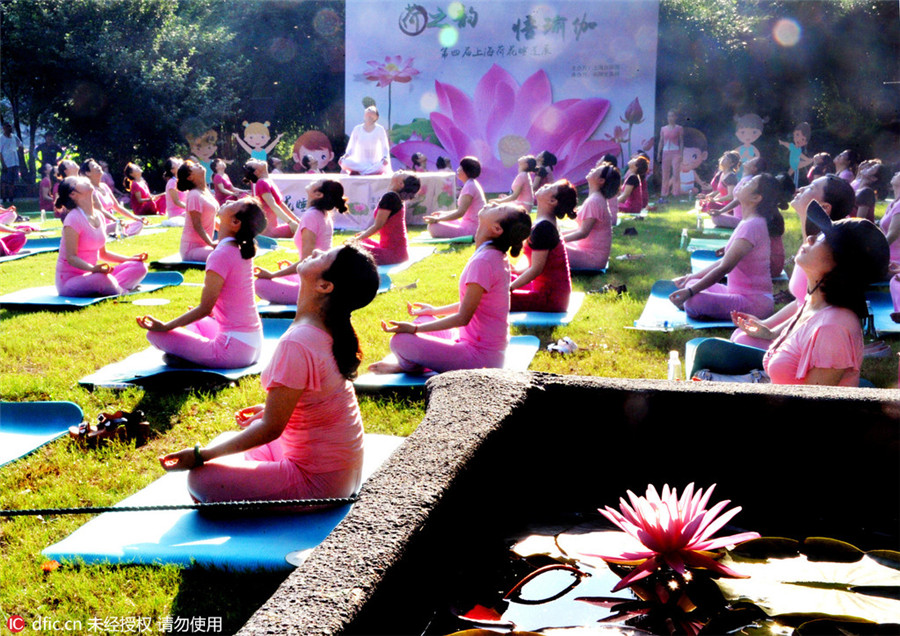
pixel 563 346
pixel 121 425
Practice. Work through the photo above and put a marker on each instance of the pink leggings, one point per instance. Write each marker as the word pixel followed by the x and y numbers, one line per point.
pixel 278 231
pixel 205 344
pixel 716 303
pixel 11 243
pixel 123 277
pixel 195 252
pixel 585 259
pixel 671 167
pixel 452 229
pixel 726 220
pixel 441 351
pixel 386 255
pixel 263 473
pixel 281 291
pixel 895 292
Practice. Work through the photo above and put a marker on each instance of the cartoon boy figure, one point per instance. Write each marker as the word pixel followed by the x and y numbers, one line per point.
pixel 694 154
pixel 315 144
pixel 796 157
pixel 748 128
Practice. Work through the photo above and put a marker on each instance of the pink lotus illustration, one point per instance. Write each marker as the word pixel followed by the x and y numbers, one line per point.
pixel 634 114
pixel 673 532
pixel 620 135
pixel 504 120
pixel 393 69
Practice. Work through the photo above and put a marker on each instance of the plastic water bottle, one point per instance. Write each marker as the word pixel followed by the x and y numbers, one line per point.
pixel 870 331
pixel 675 372
pixel 118 229
pixel 43 216
pixel 684 237
pixel 699 221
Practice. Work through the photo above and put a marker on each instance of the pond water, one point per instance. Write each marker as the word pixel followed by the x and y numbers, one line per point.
pixel 546 583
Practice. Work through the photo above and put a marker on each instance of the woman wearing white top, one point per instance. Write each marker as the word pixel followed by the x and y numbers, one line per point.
pixel 368 151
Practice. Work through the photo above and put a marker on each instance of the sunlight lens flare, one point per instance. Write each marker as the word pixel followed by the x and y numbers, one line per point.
pixel 786 32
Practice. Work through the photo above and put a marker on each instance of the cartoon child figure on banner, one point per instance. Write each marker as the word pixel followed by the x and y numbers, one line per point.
pixel 256 138
pixel 748 128
pixel 203 146
pixel 315 144
pixel 796 157
pixel 694 154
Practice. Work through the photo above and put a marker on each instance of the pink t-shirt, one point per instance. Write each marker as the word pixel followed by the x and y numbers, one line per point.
pixel 325 432
pixel 599 242
pixel 262 187
pixel 90 241
pixel 830 339
pixel 46 202
pixel 235 308
pixel 892 211
pixel 489 326
pixel 225 180
pixel 320 224
pixel 526 194
pixel 205 204
pixel 174 210
pixel 472 188
pixel 106 198
pixel 752 274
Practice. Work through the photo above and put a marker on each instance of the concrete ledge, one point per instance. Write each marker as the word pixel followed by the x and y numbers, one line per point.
pixel 496 448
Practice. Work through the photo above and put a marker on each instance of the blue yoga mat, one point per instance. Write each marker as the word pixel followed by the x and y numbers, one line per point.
pixel 147 367
pixel 587 272
pixel 548 318
pixel 661 315
pixel 705 258
pixel 706 244
pixel 268 309
pixel 882 308
pixel 264 244
pixel 519 354
pixel 34 246
pixel 45 298
pixel 254 541
pixel 468 238
pixel 26 426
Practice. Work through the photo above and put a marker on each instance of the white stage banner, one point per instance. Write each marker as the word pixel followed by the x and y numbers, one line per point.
pixel 499 79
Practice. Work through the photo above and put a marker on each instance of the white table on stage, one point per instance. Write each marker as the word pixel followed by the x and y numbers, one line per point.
pixel 438 192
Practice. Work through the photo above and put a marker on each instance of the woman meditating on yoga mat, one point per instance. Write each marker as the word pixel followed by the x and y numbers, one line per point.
pixel 315 232
pixel 224 331
pixel 464 219
pixel 474 332
pixel 200 219
pixel 306 441
pixel 390 221
pixel 81 269
pixel 823 341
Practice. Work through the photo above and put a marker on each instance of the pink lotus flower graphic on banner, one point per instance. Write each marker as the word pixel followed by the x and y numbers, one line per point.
pixel 504 120
pixel 393 69
pixel 673 532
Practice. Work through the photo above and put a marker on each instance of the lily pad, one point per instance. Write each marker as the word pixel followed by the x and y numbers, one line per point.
pixel 803 588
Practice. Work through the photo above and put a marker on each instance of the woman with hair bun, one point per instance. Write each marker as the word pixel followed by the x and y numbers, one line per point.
pixel 200 220
pixel 82 268
pixel 314 232
pixel 224 331
pixel 306 440
pixel 464 219
pixel 280 221
pixel 474 332
pixel 390 221
pixel 545 285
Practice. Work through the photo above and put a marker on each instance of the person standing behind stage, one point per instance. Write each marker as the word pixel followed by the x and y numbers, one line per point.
pixel 368 151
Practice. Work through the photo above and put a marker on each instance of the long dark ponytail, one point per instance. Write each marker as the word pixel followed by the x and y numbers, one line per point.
pixel 516 226
pixel 355 278
pixel 253 222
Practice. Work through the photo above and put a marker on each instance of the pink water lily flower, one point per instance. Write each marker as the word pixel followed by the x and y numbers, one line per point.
pixel 504 120
pixel 672 531
pixel 619 135
pixel 634 114
pixel 394 69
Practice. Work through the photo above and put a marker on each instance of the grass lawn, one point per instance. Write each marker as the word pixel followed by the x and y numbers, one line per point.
pixel 44 355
